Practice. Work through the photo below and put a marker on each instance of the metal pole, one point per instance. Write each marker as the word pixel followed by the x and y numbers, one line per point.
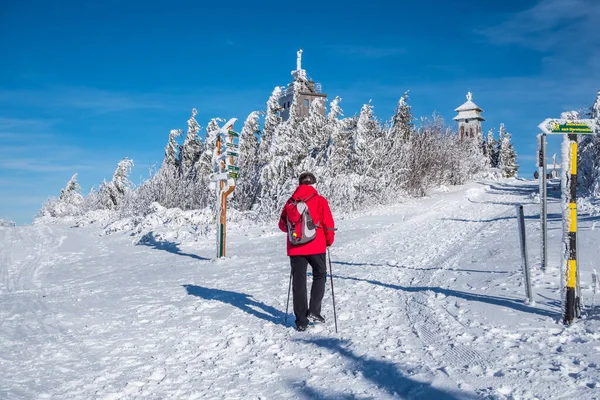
pixel 544 200
pixel 288 298
pixel 571 297
pixel 332 294
pixel 578 297
pixel 218 219
pixel 594 288
pixel 523 241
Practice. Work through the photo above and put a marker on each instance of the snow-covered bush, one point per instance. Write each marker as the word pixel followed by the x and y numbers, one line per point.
pixel 6 223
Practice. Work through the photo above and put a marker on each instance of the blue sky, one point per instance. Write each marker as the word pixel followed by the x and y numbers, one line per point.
pixel 85 83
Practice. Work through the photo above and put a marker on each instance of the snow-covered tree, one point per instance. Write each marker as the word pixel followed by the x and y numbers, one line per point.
pixel 588 168
pixel 365 160
pixel 402 121
pixel 111 194
pixel 205 166
pixel 335 111
pixel 340 143
pixel 192 147
pixel 172 148
pixel 248 185
pixel 69 203
pixel 492 149
pixel 595 112
pixel 120 178
pixel 271 126
pixel 313 129
pixel 507 161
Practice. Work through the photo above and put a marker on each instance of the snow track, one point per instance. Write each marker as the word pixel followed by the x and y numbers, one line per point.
pixel 428 296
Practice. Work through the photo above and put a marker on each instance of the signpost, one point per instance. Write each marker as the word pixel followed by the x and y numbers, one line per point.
pixel 570 128
pixel 225 172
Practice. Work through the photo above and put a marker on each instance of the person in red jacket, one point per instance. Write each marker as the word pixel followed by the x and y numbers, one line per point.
pixel 313 252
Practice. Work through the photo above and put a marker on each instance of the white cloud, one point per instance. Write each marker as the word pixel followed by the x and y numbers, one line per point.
pixel 550 25
pixel 79 98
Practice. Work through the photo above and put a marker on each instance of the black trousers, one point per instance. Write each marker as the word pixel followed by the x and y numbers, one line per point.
pixel 319 268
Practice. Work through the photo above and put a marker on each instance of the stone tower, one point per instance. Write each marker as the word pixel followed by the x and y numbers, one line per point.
pixel 309 91
pixel 469 119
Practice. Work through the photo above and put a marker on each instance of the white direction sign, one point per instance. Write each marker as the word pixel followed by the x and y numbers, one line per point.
pixel 557 126
pixel 225 128
pixel 219 177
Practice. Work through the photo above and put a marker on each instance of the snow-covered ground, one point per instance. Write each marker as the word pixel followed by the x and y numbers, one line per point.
pixel 429 303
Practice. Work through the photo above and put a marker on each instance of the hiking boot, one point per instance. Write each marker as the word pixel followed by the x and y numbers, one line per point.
pixel 315 317
pixel 301 328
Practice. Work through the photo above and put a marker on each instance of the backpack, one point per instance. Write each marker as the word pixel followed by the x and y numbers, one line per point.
pixel 300 225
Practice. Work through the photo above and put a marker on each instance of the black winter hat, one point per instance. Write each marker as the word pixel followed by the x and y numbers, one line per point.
pixel 307 178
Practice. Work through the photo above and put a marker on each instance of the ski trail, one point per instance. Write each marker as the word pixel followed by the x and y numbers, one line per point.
pixel 7 238
pixel 414 247
pixel 31 320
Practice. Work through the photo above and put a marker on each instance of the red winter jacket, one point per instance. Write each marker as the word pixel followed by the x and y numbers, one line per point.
pixel 321 215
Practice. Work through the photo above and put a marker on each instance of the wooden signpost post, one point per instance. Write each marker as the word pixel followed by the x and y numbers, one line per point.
pixel 224 177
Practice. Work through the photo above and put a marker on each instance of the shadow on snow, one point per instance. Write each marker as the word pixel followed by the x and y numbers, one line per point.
pixel 358 264
pixel 149 240
pixel 515 304
pixel 242 301
pixel 385 375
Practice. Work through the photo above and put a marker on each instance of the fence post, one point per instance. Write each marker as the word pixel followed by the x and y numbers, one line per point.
pixel 523 241
pixel 543 199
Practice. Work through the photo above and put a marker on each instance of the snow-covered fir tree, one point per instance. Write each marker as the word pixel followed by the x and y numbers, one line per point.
pixel 340 143
pixel 507 161
pixel 365 160
pixel 172 148
pixel 595 110
pixel 69 203
pixel 492 149
pixel 402 121
pixel 205 163
pixel 248 185
pixel 192 147
pixel 335 110
pixel 271 125
pixel 588 166
pixel 313 129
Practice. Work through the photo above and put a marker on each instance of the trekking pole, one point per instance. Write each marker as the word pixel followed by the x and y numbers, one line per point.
pixel 332 294
pixel 288 299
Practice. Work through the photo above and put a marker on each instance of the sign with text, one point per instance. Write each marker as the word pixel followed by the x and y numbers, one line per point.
pixel 553 126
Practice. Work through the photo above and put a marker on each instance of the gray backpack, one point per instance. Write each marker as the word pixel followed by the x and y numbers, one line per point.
pixel 300 225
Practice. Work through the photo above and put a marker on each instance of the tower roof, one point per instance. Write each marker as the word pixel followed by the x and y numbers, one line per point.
pixel 469 110
pixel 469 105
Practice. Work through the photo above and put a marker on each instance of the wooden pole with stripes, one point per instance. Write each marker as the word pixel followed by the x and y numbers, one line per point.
pixel 570 127
pixel 571 297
